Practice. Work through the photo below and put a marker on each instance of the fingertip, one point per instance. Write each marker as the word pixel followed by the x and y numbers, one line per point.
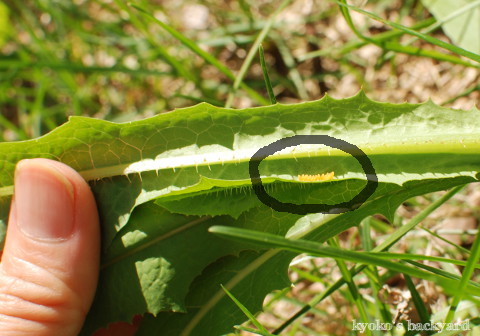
pixel 53 271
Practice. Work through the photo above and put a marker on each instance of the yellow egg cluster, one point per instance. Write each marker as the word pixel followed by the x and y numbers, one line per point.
pixel 317 177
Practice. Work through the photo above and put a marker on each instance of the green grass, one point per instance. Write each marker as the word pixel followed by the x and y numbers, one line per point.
pixel 123 61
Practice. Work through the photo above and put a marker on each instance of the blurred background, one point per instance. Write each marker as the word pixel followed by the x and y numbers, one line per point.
pixel 109 60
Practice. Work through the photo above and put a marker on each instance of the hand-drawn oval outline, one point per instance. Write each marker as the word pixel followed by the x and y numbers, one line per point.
pixel 303 209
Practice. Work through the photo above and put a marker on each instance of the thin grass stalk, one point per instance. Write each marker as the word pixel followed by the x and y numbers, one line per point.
pixel 354 45
pixel 466 275
pixel 247 313
pixel 289 61
pixel 424 37
pixel 252 52
pixel 266 77
pixel 418 302
pixel 203 54
pixel 439 23
pixel 357 299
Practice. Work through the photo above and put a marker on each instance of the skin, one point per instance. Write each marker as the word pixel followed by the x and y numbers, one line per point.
pixel 50 264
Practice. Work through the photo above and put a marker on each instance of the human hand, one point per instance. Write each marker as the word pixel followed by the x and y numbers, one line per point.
pixel 50 264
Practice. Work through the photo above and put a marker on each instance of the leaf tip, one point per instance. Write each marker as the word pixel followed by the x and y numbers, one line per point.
pixel 215 229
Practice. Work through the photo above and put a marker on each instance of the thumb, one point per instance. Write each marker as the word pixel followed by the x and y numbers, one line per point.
pixel 49 267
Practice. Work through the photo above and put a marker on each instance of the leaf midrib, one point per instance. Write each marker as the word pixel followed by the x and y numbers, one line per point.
pixel 461 145
pixel 456 146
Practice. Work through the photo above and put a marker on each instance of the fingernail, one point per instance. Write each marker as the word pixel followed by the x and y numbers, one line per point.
pixel 44 200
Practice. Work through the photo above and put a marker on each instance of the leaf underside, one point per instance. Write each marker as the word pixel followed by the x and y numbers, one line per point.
pixel 160 183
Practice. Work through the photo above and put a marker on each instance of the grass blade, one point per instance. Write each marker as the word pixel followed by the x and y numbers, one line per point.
pixel 253 331
pixel 268 84
pixel 316 249
pixel 253 50
pixel 426 38
pixel 410 256
pixel 351 286
pixel 172 61
pixel 203 54
pixel 418 302
pixel 436 235
pixel 439 23
pixel 247 313
pixel 187 42
pixel 392 239
pixel 463 94
pixel 466 275
pixel 354 45
pixel 417 51
pixel 443 273
pixel 385 245
pixel 291 64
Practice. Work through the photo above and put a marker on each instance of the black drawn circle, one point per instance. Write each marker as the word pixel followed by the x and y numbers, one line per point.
pixel 303 209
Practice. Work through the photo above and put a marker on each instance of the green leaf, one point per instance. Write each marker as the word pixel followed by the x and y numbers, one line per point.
pixel 160 183
pixel 132 163
pixel 157 256
pixel 462 21
pixel 210 310
pixel 138 241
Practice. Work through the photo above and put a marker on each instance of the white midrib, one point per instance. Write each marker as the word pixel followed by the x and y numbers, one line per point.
pixel 465 145
pixel 186 161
